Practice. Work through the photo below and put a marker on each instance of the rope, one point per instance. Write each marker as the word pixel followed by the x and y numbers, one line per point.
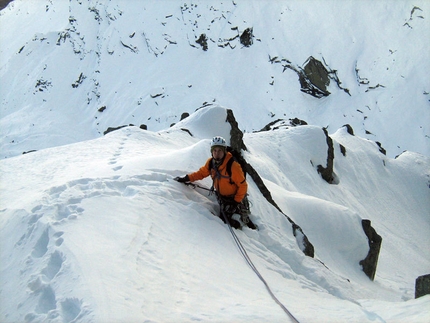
pixel 251 264
pixel 246 256
pixel 202 187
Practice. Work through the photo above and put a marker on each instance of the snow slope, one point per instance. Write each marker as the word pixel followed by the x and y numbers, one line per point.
pixel 76 68
pixel 94 229
pixel 98 231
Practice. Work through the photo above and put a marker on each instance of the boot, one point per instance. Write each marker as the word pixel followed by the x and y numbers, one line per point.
pixel 235 224
pixel 251 225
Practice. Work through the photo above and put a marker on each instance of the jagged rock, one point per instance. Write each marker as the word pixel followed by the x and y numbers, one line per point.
pixel 349 129
pixel 236 142
pixel 397 156
pixel 381 149
pixel 246 37
pixel 203 41
pixel 236 135
pixel 342 149
pixel 184 115
pixel 79 81
pixel 308 248
pixel 317 73
pixel 157 92
pixel 314 78
pixel 4 3
pixel 188 131
pixel 422 286
pixel 327 172
pixel 143 127
pixel 302 239
pixel 27 152
pixel 375 240
pixel 42 85
pixel 269 125
pixel 298 122
pixel 132 48
pixel 282 123
pixel 110 129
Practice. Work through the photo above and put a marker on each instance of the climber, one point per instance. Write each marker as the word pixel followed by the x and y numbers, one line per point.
pixel 229 183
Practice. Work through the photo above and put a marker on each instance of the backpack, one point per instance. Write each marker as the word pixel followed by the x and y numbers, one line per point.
pixel 237 156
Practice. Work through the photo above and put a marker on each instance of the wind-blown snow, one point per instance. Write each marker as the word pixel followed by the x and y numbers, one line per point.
pixel 94 229
pixel 99 231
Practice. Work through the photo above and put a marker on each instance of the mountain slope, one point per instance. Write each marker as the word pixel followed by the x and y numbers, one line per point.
pixel 99 231
pixel 78 68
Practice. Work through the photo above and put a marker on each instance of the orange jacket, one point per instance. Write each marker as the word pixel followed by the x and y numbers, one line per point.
pixel 235 186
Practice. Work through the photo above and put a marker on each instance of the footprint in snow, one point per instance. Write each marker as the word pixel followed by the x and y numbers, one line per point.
pixel 54 265
pixel 117 168
pixel 41 246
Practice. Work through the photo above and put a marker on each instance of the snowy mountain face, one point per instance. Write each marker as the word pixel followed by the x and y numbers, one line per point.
pixel 93 228
pixel 99 231
pixel 76 68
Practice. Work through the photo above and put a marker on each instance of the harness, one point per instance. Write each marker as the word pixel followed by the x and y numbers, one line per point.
pixel 218 173
pixel 228 169
pixel 223 198
pixel 218 176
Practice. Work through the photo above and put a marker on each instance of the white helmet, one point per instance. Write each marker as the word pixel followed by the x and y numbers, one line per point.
pixel 218 141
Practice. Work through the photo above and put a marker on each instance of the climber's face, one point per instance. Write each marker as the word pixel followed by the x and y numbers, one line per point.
pixel 218 153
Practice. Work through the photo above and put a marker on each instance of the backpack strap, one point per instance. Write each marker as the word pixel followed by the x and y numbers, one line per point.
pixel 212 189
pixel 211 164
pixel 228 166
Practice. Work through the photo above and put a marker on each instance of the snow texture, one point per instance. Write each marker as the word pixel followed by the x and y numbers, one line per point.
pixel 93 228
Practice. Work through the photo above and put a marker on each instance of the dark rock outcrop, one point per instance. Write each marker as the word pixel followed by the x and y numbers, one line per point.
pixel 349 129
pixel 298 122
pixel 30 151
pixel 110 129
pixel 269 125
pixel 246 37
pixel 314 78
pixel 236 141
pixel 236 135
pixel 342 149
pixel 327 172
pixel 187 131
pixel 375 240
pixel 308 248
pixel 203 41
pixel 422 286
pixel 381 149
pixel 282 123
pixel 4 3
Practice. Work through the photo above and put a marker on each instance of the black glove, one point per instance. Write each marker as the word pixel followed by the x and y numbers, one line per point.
pixel 231 207
pixel 183 179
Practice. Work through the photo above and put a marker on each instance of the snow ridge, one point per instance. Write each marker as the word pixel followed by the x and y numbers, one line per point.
pixel 94 229
pixel 101 232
